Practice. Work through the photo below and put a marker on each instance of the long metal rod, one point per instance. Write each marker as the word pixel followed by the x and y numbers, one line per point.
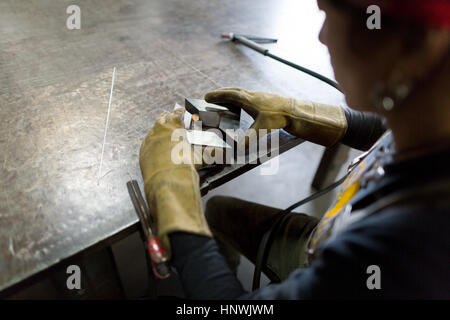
pixel 107 123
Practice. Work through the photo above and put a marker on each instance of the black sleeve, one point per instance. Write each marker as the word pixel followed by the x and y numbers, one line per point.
pixel 363 129
pixel 203 271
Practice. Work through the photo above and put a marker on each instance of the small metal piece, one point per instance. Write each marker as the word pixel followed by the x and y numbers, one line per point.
pixel 229 127
pixel 208 113
pixel 200 105
pixel 358 160
pixel 205 138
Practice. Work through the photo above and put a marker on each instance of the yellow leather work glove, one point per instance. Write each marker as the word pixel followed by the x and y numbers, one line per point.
pixel 315 122
pixel 172 190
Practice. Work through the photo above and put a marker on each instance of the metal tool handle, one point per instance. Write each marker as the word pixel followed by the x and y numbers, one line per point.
pixel 259 39
pixel 232 36
pixel 158 256
pixel 251 44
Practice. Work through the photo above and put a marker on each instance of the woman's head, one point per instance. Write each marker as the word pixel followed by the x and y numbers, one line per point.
pixel 399 60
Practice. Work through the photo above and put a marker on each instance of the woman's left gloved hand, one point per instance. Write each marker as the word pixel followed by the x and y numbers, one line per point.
pixel 319 123
pixel 171 188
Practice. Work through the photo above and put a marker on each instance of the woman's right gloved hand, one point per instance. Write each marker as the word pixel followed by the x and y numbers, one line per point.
pixel 319 123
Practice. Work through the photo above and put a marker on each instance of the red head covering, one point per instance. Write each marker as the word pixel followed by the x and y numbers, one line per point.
pixel 430 13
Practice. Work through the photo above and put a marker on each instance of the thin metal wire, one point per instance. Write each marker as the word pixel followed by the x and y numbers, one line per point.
pixel 106 124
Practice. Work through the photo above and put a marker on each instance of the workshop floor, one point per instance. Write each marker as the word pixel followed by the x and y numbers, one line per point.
pixel 291 183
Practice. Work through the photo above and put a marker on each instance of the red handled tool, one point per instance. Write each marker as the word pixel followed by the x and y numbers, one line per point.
pixel 158 256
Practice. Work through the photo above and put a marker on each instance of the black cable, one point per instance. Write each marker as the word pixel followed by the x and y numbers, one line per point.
pixel 305 70
pixel 264 51
pixel 268 237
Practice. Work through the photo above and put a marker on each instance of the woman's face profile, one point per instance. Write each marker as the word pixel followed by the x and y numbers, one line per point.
pixel 358 63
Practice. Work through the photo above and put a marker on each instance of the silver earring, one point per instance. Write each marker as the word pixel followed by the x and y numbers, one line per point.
pixel 386 99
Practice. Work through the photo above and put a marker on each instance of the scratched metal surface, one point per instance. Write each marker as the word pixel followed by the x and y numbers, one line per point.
pixel 54 90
